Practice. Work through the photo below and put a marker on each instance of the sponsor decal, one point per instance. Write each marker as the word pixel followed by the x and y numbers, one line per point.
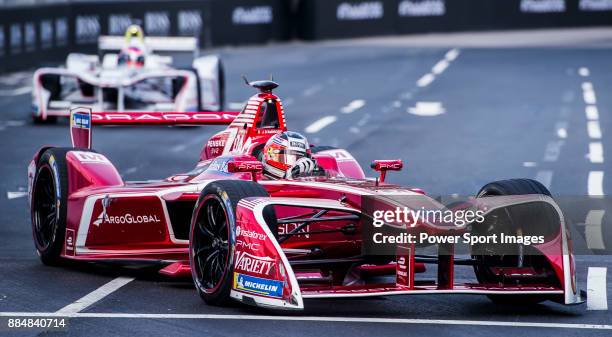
pixel 286 228
pixel 595 5
pixel 80 121
pixel 157 23
pixel 253 264
pixel 252 15
pixel 189 22
pixel 258 285
pixel 15 38
pixel 253 246
pixel 61 31
pixel 371 10
pixel 249 234
pixel 542 6
pixel 30 36
pixel 46 34
pixel 87 28
pixel 216 143
pixel 297 144
pixel 90 157
pixel 118 23
pixel 125 218
pixel 160 117
pixel 69 242
pixel 421 8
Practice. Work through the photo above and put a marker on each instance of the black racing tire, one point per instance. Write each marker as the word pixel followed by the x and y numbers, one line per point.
pixel 210 233
pixel 482 269
pixel 49 204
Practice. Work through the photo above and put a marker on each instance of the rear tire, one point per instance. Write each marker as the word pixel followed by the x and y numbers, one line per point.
pixel 212 223
pixel 482 270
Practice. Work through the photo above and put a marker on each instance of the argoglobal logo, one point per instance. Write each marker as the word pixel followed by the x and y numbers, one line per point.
pixel 126 219
pixel 371 10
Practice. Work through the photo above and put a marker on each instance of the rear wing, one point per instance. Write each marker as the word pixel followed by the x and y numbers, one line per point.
pixel 82 119
pixel 153 43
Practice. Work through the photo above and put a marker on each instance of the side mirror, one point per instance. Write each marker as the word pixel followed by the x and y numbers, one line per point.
pixel 383 166
pixel 252 166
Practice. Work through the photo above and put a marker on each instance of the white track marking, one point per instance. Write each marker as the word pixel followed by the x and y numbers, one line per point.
pixel 16 92
pixel 96 295
pixel 15 195
pixel 353 106
pixel 592 230
pixel 312 90
pixel 589 97
pixel 425 80
pixel 545 177
pixel 597 297
pixel 584 72
pixel 553 150
pixel 551 325
pixel 452 54
pixel 561 128
pixel 427 109
pixel 440 67
pixel 594 130
pixel 591 112
pixel 530 164
pixel 596 155
pixel 595 183
pixel 320 124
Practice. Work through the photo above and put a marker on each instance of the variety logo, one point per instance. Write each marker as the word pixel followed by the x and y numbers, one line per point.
pixel 157 23
pixel 421 8
pixel 542 6
pixel 46 33
pixel 252 16
pixel 595 5
pixel 250 234
pixel 253 264
pixel 61 31
pixel 189 22
pixel 16 38
pixel 90 157
pixel 258 285
pixel 87 28
pixel 118 23
pixel 372 10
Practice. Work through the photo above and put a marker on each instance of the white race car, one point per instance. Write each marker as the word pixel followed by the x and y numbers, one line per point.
pixel 131 73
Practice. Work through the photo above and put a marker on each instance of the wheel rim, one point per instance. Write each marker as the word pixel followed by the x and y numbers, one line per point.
pixel 45 208
pixel 210 247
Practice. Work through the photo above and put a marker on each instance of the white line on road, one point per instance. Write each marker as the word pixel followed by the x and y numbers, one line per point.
pixel 352 106
pixel 592 229
pixel 589 97
pixel 594 130
pixel 425 80
pixel 561 128
pixel 545 177
pixel 96 295
pixel 553 150
pixel 15 195
pixel 552 325
pixel 595 183
pixel 452 54
pixel 440 67
pixel 320 124
pixel 591 112
pixel 595 154
pixel 597 297
pixel 16 92
pixel 530 164
pixel 583 71
pixel 427 109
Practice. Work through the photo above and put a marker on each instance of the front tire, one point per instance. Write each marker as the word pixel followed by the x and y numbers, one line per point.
pixel 212 225
pixel 49 204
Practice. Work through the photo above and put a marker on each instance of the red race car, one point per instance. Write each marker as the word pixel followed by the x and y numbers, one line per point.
pixel 273 242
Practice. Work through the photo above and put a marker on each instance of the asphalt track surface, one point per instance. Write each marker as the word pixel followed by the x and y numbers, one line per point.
pixel 508 111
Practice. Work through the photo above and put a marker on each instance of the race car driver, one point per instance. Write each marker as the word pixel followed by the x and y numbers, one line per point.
pixel 286 155
pixel 133 54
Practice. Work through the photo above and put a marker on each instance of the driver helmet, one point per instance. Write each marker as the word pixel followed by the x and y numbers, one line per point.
pixel 282 151
pixel 133 57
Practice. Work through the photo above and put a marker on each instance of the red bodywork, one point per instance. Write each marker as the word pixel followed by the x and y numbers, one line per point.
pixel 113 220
